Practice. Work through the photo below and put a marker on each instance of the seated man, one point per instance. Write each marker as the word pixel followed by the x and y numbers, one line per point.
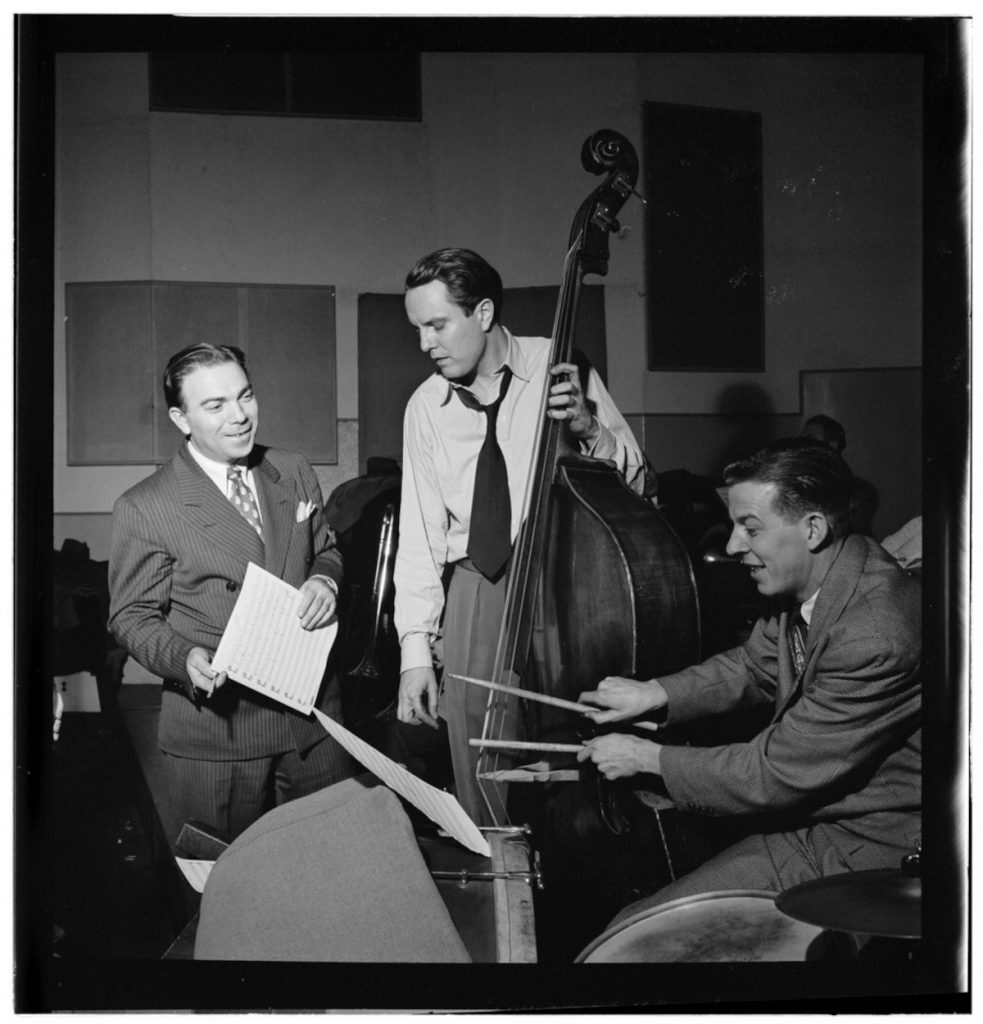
pixel 833 783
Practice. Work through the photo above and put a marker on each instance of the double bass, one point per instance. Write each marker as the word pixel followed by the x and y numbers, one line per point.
pixel 600 584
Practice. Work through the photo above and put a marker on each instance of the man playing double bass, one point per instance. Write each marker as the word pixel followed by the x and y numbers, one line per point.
pixel 469 439
pixel 833 783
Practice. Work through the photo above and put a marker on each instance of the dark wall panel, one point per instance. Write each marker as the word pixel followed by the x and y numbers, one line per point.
pixel 704 248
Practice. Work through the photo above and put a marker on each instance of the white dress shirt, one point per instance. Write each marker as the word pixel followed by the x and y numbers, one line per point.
pixel 441 441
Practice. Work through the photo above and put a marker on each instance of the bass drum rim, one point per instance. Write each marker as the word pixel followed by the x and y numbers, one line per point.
pixel 845 949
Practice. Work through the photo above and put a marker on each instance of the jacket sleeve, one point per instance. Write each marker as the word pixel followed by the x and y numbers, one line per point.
pixel 860 704
pixel 140 572
pixel 741 678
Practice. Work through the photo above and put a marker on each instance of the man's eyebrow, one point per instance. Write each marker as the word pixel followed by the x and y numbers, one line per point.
pixel 744 518
pixel 224 398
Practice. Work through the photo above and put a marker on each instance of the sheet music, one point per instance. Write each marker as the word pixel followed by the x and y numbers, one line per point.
pixel 265 648
pixel 438 806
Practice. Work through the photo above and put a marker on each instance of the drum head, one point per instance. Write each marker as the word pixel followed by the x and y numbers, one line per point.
pixel 717 927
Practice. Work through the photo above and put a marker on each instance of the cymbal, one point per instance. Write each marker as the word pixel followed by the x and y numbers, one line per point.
pixel 883 902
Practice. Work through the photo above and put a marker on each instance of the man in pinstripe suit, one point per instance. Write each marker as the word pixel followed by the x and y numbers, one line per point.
pixel 182 540
pixel 833 783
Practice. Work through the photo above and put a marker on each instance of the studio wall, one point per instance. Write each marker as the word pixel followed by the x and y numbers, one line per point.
pixel 494 165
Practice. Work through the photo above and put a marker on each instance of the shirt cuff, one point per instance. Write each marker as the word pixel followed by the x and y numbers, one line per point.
pixel 327 579
pixel 604 446
pixel 414 652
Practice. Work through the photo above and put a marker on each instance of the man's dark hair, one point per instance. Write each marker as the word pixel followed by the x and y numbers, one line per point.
pixel 202 354
pixel 467 276
pixel 809 476
pixel 833 434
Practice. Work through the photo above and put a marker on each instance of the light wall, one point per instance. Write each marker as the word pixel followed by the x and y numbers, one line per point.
pixel 494 165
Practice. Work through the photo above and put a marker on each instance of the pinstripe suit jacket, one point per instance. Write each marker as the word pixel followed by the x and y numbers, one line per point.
pixel 844 741
pixel 179 556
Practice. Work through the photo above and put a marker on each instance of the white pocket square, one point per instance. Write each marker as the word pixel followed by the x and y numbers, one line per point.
pixel 305 510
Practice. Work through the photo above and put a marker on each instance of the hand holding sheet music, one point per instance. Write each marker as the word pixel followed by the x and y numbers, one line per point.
pixel 265 647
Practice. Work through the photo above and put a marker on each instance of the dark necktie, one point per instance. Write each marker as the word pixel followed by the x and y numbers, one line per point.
pixel 489 537
pixel 243 499
pixel 797 634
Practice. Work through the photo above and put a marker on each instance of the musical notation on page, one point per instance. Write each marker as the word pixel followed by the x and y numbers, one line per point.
pixel 265 648
pixel 440 807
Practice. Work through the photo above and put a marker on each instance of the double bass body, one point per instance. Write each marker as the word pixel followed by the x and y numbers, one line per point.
pixel 618 593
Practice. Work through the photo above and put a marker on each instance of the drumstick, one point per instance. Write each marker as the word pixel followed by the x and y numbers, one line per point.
pixel 565 748
pixel 557 702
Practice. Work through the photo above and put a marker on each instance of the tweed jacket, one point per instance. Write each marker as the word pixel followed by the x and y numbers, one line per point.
pixel 844 741
pixel 178 558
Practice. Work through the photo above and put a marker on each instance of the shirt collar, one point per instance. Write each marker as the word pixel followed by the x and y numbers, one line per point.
pixel 514 360
pixel 218 472
pixel 807 606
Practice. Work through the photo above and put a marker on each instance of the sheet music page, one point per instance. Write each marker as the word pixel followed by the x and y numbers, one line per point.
pixel 438 806
pixel 265 648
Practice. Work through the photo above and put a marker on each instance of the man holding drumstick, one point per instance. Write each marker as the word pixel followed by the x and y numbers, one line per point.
pixel 833 783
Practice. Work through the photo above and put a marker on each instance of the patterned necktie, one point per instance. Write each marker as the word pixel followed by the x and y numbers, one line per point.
pixel 242 498
pixel 798 632
pixel 489 537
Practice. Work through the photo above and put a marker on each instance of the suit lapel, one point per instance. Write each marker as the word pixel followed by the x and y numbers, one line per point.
pixel 209 509
pixel 838 587
pixel 277 512
pixel 835 593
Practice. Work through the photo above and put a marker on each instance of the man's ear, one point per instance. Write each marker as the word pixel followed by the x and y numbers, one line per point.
pixel 485 312
pixel 818 530
pixel 179 419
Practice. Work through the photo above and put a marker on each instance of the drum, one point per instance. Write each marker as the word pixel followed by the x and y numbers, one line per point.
pixel 719 927
pixel 490 899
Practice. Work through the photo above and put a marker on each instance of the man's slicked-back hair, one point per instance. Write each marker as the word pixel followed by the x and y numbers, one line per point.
pixel 809 477
pixel 201 354
pixel 468 277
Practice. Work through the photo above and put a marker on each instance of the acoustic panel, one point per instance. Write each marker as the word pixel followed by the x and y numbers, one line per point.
pixel 111 411
pixel 121 335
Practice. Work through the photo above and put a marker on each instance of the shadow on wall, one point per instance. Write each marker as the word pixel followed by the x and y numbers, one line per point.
pixel 747 412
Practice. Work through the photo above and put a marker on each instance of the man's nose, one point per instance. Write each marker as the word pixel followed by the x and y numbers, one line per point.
pixel 236 412
pixel 736 544
pixel 427 341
